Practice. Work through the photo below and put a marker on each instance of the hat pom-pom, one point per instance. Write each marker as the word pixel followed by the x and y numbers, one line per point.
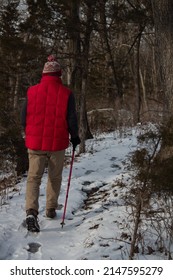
pixel 51 58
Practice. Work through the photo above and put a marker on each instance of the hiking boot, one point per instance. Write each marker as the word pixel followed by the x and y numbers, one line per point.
pixel 51 213
pixel 32 221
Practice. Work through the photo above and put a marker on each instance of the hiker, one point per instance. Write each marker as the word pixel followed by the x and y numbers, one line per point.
pixel 48 117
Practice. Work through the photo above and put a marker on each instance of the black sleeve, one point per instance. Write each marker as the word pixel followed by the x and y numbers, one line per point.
pixel 72 117
pixel 23 114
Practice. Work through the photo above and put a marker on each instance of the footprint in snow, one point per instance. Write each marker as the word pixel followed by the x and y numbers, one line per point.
pixel 33 247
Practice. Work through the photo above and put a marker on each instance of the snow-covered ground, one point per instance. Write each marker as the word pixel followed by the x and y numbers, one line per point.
pixel 96 224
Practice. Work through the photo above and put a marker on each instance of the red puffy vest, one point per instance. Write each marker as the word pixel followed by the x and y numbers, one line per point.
pixel 46 119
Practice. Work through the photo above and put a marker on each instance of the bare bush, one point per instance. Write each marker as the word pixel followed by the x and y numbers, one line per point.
pixel 151 199
pixel 109 119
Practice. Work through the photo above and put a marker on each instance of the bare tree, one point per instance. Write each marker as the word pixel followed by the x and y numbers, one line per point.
pixel 163 20
pixel 80 45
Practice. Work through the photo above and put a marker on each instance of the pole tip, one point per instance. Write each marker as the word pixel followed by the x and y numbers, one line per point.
pixel 62 224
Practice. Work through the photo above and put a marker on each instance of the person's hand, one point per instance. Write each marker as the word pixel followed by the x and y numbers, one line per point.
pixel 75 141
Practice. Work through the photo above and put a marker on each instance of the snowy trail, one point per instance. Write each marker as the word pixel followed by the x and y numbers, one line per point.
pixel 91 228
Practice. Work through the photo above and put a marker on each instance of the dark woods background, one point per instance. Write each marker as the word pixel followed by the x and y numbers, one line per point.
pixel 115 56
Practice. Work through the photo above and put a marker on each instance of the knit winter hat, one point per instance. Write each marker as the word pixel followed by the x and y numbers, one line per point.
pixel 52 66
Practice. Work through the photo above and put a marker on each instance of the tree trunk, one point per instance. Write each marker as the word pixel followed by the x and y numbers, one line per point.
pixel 143 87
pixel 138 93
pixel 104 32
pixel 163 20
pixel 85 132
pixel 80 66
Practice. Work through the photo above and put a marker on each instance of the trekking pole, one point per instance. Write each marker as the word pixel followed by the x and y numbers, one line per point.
pixel 68 187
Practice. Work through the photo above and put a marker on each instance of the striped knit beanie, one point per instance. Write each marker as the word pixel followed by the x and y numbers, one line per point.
pixel 52 66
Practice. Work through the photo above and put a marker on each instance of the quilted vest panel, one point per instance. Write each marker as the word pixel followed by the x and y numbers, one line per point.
pixel 46 120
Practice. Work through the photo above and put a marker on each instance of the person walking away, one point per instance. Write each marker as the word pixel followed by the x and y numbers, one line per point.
pixel 48 118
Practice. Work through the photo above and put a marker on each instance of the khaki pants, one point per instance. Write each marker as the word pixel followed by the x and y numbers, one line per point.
pixel 37 163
